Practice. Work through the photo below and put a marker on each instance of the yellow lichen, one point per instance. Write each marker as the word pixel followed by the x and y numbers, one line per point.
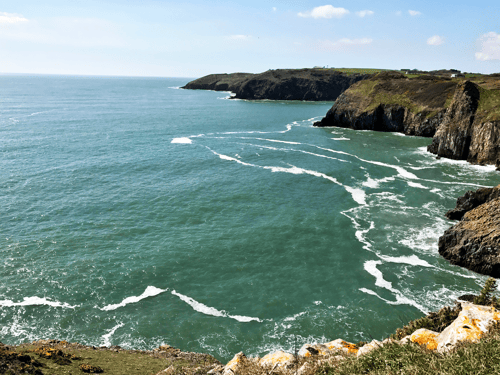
pixel 425 338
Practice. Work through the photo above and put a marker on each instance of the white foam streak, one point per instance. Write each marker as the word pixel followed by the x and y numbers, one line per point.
pixel 412 260
pixel 400 300
pixel 35 301
pixel 416 185
pixel 358 195
pixel 292 318
pixel 204 309
pixel 371 267
pixel 277 141
pixel 150 291
pixel 183 140
pixel 401 171
pixel 106 339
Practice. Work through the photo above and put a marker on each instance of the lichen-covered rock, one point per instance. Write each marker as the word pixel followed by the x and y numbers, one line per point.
pixel 278 359
pixel 425 337
pixel 331 347
pixel 472 323
pixel 235 364
pixel 474 243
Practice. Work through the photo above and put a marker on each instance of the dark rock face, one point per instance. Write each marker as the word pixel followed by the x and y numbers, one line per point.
pixel 219 82
pixel 474 243
pixel 471 200
pixel 453 139
pixel 282 84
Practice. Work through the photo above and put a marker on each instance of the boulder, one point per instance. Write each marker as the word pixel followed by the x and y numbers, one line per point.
pixel 472 323
pixel 277 359
pixel 235 364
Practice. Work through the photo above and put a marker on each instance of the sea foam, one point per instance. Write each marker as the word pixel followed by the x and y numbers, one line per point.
pixel 150 291
pixel 36 301
pixel 207 310
pixel 184 140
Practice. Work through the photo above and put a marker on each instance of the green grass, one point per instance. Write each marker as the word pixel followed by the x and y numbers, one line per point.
pixel 358 70
pixel 489 104
pixel 113 363
pixel 399 99
pixel 481 358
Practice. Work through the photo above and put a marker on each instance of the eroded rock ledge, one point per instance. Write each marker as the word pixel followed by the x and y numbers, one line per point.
pixel 474 243
pixel 281 84
pixel 463 117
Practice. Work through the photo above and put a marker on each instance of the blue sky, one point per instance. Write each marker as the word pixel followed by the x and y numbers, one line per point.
pixel 195 38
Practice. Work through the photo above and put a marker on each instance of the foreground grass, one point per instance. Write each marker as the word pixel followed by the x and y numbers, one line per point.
pixel 114 360
pixel 482 358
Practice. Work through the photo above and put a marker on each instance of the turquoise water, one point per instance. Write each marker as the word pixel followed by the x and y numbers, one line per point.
pixel 134 213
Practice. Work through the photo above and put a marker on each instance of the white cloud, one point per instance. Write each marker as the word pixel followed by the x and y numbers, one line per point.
pixel 435 40
pixel 344 43
pixel 9 18
pixel 325 11
pixel 240 37
pixel 414 13
pixel 490 47
pixel 398 13
pixel 275 9
pixel 364 13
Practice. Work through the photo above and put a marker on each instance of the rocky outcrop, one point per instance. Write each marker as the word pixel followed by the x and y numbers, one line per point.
pixel 474 243
pixel 281 84
pixel 219 82
pixel 471 324
pixel 463 117
pixel 391 102
pixel 464 133
pixel 472 199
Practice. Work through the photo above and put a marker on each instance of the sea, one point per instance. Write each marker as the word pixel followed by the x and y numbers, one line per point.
pixel 136 213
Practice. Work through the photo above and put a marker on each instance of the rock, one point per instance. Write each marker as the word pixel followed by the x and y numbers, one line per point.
pixel 281 84
pixel 392 103
pixel 342 346
pixel 462 117
pixel 216 370
pixel 474 243
pixel 471 200
pixel 375 344
pixel 91 369
pixel 328 348
pixel 471 324
pixel 234 364
pixel 425 337
pixel 278 359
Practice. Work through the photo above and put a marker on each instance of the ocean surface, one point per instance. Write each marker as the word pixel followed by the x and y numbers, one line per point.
pixel 135 213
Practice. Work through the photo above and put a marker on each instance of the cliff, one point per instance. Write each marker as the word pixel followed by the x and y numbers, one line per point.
pixel 281 84
pixel 474 242
pixel 463 117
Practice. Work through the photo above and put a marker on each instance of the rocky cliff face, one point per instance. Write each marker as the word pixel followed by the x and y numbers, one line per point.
pixel 281 84
pixel 474 243
pixel 463 117
pixel 391 102
pixel 219 82
pixel 463 133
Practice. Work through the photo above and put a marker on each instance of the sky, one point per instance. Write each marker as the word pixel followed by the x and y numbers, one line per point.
pixel 194 38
